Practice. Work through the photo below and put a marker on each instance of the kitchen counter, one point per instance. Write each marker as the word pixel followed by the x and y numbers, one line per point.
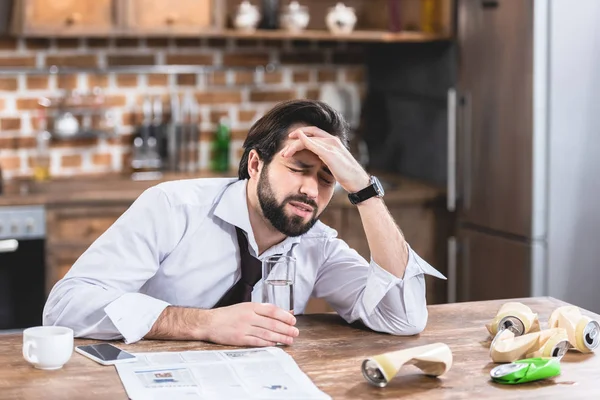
pixel 110 189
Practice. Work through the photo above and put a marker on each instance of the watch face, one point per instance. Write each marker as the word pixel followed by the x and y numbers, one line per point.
pixel 377 185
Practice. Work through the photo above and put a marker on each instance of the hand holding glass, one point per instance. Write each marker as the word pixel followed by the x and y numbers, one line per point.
pixel 278 281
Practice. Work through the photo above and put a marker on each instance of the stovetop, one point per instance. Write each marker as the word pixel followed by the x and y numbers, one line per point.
pixel 22 222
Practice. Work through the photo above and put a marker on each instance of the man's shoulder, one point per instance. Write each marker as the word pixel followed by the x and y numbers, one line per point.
pixel 194 192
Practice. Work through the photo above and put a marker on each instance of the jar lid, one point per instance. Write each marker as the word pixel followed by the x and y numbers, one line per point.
pixel 295 6
pixel 341 7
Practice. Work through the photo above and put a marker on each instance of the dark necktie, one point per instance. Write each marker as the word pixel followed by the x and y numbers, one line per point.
pixel 251 273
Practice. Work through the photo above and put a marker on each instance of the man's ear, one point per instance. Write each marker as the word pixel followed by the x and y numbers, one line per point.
pixel 255 164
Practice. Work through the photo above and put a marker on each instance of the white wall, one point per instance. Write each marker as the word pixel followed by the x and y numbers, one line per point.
pixel 574 147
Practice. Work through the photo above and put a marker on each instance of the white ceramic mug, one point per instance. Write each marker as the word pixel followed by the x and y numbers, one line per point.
pixel 47 347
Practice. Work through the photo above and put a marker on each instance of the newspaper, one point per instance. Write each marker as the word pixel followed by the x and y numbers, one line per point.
pixel 265 373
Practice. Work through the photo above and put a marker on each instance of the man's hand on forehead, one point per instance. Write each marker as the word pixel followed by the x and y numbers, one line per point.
pixel 343 166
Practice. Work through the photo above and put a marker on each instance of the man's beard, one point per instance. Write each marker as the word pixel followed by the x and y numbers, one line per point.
pixel 275 213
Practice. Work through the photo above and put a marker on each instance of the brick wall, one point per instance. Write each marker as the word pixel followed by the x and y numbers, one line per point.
pixel 236 91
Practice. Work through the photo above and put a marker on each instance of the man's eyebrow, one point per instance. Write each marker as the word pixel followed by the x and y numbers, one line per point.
pixel 304 165
pixel 301 164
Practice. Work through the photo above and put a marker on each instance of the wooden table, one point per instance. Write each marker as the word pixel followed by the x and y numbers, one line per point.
pixel 330 352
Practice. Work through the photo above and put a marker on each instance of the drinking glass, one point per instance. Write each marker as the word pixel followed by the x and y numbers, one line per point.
pixel 279 273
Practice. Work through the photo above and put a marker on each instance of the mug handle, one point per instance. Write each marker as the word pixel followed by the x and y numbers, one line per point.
pixel 26 352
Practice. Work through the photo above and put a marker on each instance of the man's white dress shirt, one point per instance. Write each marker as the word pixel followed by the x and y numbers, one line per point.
pixel 177 245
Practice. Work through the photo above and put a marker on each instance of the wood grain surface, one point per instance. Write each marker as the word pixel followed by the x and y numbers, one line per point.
pixel 330 352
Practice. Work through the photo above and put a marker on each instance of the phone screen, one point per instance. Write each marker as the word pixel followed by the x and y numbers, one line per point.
pixel 106 352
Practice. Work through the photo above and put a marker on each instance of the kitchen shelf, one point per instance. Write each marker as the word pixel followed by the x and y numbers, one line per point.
pixel 137 69
pixel 260 34
pixel 356 36
pixel 215 19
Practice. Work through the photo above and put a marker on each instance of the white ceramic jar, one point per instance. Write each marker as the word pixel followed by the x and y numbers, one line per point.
pixel 247 17
pixel 294 17
pixel 340 19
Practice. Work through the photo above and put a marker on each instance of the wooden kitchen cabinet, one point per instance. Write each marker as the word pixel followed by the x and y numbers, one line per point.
pixel 168 16
pixel 71 230
pixel 81 224
pixel 65 17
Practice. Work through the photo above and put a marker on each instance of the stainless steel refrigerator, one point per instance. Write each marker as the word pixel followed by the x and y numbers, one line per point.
pixel 524 151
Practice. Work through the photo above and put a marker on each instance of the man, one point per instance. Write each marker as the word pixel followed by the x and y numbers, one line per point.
pixel 160 269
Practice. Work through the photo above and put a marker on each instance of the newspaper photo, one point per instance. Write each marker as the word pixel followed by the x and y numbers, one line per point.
pixel 265 373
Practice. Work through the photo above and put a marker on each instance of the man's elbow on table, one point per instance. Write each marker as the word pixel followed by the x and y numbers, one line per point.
pixel 54 314
pixel 413 326
pixel 56 309
pixel 69 305
pixel 90 323
pixel 399 324
pixel 416 327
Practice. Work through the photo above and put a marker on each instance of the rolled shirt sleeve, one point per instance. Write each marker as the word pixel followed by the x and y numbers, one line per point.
pixel 358 290
pixel 99 297
pixel 133 314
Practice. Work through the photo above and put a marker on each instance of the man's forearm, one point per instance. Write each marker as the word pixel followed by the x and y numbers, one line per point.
pixel 386 241
pixel 180 323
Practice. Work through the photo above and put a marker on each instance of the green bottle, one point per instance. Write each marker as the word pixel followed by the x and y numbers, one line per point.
pixel 219 151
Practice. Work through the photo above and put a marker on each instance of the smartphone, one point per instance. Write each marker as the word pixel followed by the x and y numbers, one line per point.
pixel 105 353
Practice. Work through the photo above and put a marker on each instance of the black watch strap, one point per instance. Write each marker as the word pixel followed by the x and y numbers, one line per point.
pixel 373 190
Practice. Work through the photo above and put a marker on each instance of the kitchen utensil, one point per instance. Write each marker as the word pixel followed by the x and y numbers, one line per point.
pixel 195 136
pixel 185 133
pixel 173 142
pixel 157 129
pixel 146 120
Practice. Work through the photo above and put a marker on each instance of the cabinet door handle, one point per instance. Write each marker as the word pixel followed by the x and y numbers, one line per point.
pixel 452 275
pixel 171 19
pixel 73 19
pixel 9 245
pixel 467 159
pixel 451 181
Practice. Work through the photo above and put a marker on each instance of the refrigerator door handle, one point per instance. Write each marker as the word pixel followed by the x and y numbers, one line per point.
pixel 466 136
pixel 452 273
pixel 451 181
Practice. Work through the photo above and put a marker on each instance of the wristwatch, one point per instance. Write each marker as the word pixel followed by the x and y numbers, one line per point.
pixel 373 190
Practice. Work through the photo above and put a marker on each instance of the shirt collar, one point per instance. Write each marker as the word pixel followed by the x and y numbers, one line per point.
pixel 233 209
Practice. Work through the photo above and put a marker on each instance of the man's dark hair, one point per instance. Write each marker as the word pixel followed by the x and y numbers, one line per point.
pixel 269 132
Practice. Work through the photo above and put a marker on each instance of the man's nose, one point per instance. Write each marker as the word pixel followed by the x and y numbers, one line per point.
pixel 310 187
